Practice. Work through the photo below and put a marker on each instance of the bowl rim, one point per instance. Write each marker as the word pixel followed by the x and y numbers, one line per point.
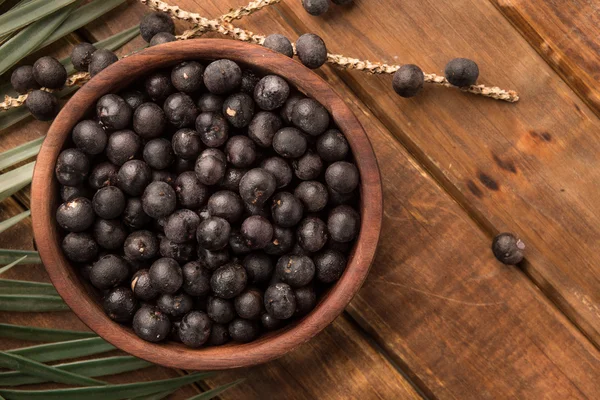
pixel 171 354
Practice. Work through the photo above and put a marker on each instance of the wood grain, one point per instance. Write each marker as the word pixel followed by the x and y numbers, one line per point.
pixel 83 303
pixel 523 167
pixel 566 35
pixel 443 325
pixel 337 364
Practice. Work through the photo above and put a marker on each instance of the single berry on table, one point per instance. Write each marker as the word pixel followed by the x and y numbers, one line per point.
pixel 508 249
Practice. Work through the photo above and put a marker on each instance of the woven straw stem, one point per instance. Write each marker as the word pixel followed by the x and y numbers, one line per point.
pixel 223 26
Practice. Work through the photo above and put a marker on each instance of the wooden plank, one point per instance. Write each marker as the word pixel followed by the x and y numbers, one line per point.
pixel 566 35
pixel 521 167
pixel 459 323
pixel 337 364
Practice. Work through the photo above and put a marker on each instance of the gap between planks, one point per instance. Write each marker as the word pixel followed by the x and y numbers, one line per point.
pixel 420 158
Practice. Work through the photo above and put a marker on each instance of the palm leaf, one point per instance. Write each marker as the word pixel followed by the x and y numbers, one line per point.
pixel 20 153
pixel 27 366
pixel 25 15
pixel 4 37
pixel 4 225
pixel 209 394
pixel 41 334
pixel 9 256
pixel 82 16
pixel 10 286
pixel 64 350
pixel 12 264
pixel 32 303
pixel 112 392
pixel 89 368
pixel 14 115
pixel 155 396
pixel 32 36
pixel 13 181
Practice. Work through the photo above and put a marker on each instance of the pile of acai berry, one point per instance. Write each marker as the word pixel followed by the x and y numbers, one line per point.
pixel 207 203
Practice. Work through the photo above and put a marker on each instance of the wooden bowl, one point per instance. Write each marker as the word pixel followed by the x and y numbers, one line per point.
pixel 84 301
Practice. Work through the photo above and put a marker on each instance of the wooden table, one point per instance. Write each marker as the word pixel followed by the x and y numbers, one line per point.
pixel 439 317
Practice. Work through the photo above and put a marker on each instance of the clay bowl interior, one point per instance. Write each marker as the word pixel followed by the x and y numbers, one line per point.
pixel 84 300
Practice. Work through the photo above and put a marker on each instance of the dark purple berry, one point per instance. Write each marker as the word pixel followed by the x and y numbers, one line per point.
pixel 312 234
pixel 311 50
pixel 123 146
pixel 257 231
pixel 109 202
pixel 101 59
pixel 22 79
pixel 80 247
pixel 159 86
pixel 259 267
pixel 133 214
pixel 191 193
pixel 188 76
pixel 213 259
pixel 89 137
pixel 343 223
pixel 210 102
pixel 213 233
pixel 150 324
pixel 238 109
pixel 109 271
pixel 180 110
pixel 220 310
pixel 243 330
pixel 289 143
pixel 408 80
pixel 280 169
pixel 175 305
pixel 162 38
pixel 271 92
pixel 280 44
pixel 282 241
pixel 226 204
pixel 149 120
pixel 232 178
pixel 269 322
pixel 310 116
pixel 315 7
pixel 249 304
pixel 120 304
pixel 49 72
pixel 141 246
pixel 110 234
pixel 229 280
pixel 332 146
pixel 195 329
pixel 296 271
pixel 142 287
pixel 280 301
pixel 103 174
pixel 312 194
pixel 256 186
pixel 159 200
pixel 181 226
pixel 42 105
pixel 196 279
pixel 306 300
pixel 210 166
pixel 180 252
pixel 113 112
pixel 222 76
pixel 508 249
pixel 240 151
pixel 186 143
pixel 154 23
pixel 81 56
pixel 286 209
pixel 308 166
pixel 263 127
pixel 462 72
pixel 165 275
pixel 133 177
pixel 342 177
pixel 75 215
pixel 72 167
pixel 249 81
pixel 219 334
pixel 158 153
pixel 330 265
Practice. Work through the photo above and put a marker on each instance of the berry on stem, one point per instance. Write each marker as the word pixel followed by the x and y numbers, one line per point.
pixel 462 72
pixel 408 80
